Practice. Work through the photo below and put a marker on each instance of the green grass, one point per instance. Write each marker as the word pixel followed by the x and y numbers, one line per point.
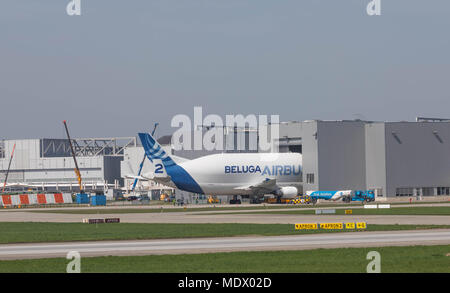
pixel 410 259
pixel 59 232
pixel 414 210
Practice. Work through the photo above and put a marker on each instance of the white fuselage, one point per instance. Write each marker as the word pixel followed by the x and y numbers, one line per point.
pixel 227 173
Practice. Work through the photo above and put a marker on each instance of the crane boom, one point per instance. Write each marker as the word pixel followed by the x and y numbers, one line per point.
pixel 9 166
pixel 142 162
pixel 77 170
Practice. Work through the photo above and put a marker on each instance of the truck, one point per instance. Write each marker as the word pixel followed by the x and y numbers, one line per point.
pixel 344 195
pixel 361 195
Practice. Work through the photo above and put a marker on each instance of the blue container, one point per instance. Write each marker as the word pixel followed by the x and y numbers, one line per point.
pixel 98 200
pixel 82 198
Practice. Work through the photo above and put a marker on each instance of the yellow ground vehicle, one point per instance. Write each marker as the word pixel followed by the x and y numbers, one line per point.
pixel 303 199
pixel 275 200
pixel 213 199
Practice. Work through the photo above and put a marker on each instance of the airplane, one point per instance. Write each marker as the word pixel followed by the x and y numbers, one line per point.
pixel 245 174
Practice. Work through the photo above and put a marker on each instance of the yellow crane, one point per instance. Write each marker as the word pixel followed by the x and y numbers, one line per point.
pixel 9 167
pixel 77 170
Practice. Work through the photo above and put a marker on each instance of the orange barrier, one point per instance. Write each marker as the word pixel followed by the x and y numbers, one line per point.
pixel 6 200
pixel 59 198
pixel 30 199
pixel 41 199
pixel 24 199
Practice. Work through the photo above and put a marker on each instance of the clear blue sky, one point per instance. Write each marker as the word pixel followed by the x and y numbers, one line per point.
pixel 123 65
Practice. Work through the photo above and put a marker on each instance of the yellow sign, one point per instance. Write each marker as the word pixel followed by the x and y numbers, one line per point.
pixel 331 226
pixel 350 226
pixel 361 225
pixel 306 226
pixel 348 212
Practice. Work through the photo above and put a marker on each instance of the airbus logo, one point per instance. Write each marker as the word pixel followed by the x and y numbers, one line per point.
pixel 267 170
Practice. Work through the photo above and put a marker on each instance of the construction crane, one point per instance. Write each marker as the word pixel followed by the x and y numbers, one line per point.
pixel 9 167
pixel 77 170
pixel 142 162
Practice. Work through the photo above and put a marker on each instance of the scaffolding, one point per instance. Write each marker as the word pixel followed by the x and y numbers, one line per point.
pixel 2 149
pixel 86 147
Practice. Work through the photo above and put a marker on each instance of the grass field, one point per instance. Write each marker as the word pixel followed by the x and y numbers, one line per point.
pixel 411 259
pixel 58 232
pixel 426 211
pixel 296 209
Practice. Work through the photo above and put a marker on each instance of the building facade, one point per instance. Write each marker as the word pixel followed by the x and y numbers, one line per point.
pixel 47 164
pixel 393 158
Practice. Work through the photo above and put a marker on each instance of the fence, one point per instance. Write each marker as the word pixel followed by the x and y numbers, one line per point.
pixel 35 199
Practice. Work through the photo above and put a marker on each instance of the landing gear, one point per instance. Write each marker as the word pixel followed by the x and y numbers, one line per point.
pixel 256 200
pixel 367 200
pixel 347 199
pixel 235 200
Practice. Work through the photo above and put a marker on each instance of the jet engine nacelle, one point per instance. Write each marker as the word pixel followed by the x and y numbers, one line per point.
pixel 287 192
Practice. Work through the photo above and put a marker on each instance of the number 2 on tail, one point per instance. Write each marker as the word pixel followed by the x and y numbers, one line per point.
pixel 159 169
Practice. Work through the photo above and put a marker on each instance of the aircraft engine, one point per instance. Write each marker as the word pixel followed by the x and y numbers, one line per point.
pixel 287 192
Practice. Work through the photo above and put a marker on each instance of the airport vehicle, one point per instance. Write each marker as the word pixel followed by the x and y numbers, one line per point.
pixel 304 199
pixel 164 197
pixel 132 198
pixel 361 195
pixel 328 195
pixel 345 195
pixel 246 174
pixel 213 199
pixel 277 200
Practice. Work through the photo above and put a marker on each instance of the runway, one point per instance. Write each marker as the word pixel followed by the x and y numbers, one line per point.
pixel 249 218
pixel 203 245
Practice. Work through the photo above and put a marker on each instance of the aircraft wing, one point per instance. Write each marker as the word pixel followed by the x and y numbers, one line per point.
pixel 150 177
pixel 142 178
pixel 266 186
pixel 19 185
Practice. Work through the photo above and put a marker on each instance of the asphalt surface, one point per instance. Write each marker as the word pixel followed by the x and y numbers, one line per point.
pixel 202 245
pixel 222 215
pixel 207 217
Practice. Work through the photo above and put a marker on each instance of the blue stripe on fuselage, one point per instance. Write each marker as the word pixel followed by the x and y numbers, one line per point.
pixel 182 179
pixel 179 176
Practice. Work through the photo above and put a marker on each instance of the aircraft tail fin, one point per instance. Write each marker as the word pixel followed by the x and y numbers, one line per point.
pixel 154 151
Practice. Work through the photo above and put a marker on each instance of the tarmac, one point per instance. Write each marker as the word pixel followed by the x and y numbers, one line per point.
pixel 226 244
pixel 222 216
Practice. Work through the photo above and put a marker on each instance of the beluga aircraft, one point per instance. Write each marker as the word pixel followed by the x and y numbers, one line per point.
pixel 246 174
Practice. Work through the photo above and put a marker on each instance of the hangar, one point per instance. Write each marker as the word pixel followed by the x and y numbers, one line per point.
pixel 392 158
pixel 45 164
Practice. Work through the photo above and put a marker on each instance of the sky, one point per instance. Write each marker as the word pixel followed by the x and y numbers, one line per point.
pixel 123 65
